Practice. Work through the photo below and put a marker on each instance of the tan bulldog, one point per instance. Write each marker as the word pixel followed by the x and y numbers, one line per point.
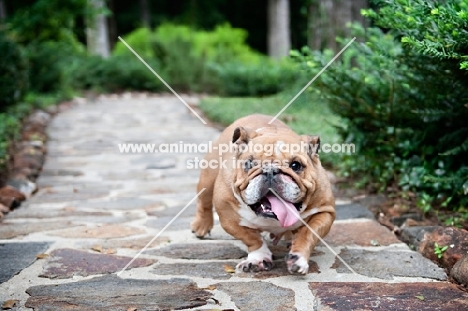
pixel 263 183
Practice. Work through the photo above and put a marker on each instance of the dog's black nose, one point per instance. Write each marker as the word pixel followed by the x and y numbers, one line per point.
pixel 270 171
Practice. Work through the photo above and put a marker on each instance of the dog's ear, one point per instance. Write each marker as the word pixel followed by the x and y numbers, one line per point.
pixel 242 135
pixel 313 142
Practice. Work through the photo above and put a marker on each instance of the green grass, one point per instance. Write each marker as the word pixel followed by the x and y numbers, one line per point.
pixel 306 115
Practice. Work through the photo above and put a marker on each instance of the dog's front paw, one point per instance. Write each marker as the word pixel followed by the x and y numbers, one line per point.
pixel 201 227
pixel 297 263
pixel 258 260
pixel 254 265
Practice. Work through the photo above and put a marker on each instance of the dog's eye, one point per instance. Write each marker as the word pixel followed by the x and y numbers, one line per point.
pixel 248 164
pixel 296 166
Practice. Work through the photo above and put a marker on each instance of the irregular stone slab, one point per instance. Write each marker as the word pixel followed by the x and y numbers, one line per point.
pixel 172 211
pixel 386 264
pixel 371 201
pixel 10 230
pixel 17 256
pixel 79 195
pixel 50 181
pixel 400 220
pixel 218 233
pixel 353 210
pixel 10 191
pixel 136 244
pixel 212 270
pixel 282 249
pixel 164 163
pixel 95 146
pixel 200 250
pixel 179 223
pixel 103 232
pixel 23 185
pixel 9 202
pixel 122 204
pixel 66 263
pixel 280 269
pixel 113 293
pixel 414 235
pixel 61 172
pixel 456 240
pixel 363 233
pixel 68 213
pixel 385 296
pixel 125 175
pixel 460 271
pixel 258 296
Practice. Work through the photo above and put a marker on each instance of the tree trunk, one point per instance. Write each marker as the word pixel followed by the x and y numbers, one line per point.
pixel 3 13
pixel 112 25
pixel 193 13
pixel 279 36
pixel 328 19
pixel 357 6
pixel 97 34
pixel 145 13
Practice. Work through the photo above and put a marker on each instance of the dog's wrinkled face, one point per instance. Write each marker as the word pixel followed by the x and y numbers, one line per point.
pixel 275 172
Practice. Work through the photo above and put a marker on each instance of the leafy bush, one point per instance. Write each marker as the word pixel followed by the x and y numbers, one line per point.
pixel 49 62
pixel 116 73
pixel 48 20
pixel 405 104
pixel 223 44
pixel 265 78
pixel 141 40
pixel 9 127
pixel 13 72
pixel 214 61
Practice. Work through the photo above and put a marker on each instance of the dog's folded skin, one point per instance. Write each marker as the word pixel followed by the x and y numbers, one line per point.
pixel 245 187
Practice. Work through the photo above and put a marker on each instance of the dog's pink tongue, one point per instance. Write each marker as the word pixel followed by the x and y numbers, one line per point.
pixel 287 215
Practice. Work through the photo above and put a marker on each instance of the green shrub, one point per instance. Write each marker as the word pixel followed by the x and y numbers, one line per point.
pixel 13 72
pixel 114 74
pixel 9 127
pixel 405 106
pixel 265 78
pixel 222 44
pixel 48 62
pixel 140 40
pixel 190 59
pixel 49 20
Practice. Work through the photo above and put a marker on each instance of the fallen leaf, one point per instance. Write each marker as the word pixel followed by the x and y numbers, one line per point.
pixel 420 297
pixel 42 256
pixel 9 304
pixel 207 288
pixel 229 269
pixel 132 309
pixel 97 248
pixel 110 251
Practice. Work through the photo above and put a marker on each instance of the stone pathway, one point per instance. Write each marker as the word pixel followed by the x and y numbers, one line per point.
pixel 97 208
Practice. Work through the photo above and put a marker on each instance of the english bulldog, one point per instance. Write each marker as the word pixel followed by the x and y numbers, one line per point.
pixel 264 183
